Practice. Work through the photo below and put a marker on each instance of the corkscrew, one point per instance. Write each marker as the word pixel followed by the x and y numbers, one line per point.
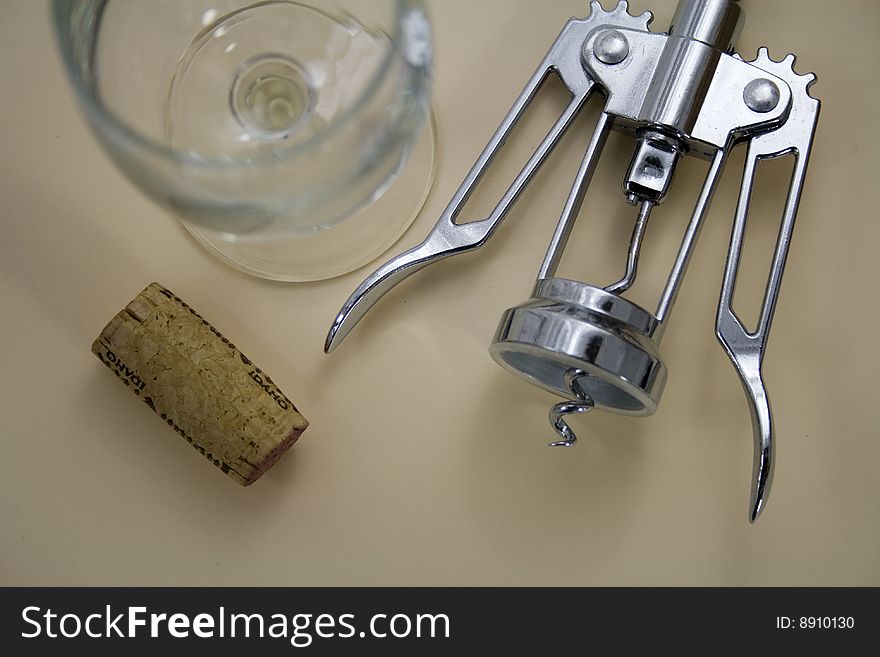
pixel 682 92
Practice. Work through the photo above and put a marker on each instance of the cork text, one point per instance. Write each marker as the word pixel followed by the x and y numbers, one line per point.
pixel 269 390
pixel 124 370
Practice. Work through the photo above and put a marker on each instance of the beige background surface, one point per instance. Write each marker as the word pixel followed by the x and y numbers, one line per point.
pixel 425 462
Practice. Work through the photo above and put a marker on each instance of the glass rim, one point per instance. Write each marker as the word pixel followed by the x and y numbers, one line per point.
pixel 119 130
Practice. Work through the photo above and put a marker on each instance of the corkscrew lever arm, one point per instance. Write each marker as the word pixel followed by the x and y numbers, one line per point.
pixel 448 238
pixel 746 349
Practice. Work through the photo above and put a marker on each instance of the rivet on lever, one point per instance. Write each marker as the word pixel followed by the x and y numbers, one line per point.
pixel 611 48
pixel 761 95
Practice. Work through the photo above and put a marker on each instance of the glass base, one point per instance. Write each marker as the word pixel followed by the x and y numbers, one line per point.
pixel 346 245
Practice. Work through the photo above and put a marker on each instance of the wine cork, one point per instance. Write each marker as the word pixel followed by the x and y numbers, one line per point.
pixel 200 384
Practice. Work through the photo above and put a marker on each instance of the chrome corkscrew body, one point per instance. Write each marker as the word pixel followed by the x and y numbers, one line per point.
pixel 679 93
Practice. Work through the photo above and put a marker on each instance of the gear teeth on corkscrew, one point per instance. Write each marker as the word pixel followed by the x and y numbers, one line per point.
pixel 620 16
pixel 784 68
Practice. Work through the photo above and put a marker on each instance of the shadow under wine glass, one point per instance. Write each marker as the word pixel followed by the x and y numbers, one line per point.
pixel 292 139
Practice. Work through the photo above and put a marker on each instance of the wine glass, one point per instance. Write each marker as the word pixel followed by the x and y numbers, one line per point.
pixel 293 139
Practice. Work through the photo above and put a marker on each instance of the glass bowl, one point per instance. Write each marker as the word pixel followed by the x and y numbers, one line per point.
pixel 292 139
